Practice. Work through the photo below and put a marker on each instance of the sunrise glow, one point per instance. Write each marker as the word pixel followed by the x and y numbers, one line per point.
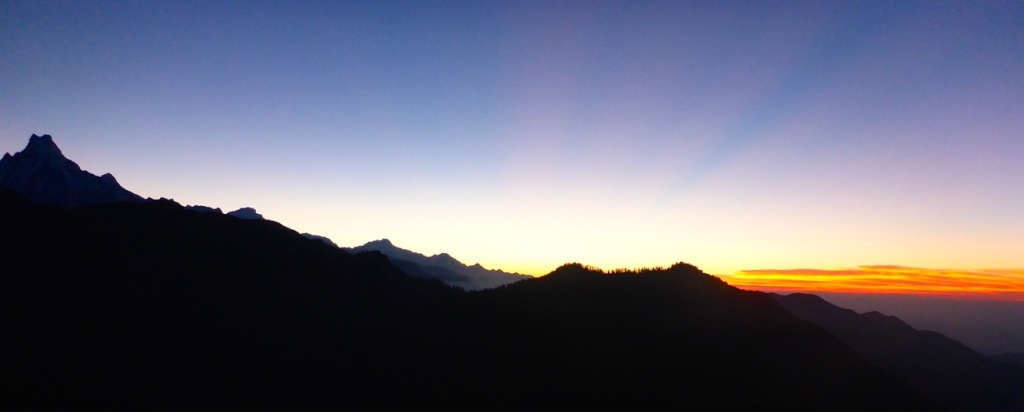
pixel 993 284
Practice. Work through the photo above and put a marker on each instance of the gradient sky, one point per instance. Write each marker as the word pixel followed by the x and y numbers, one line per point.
pixel 523 135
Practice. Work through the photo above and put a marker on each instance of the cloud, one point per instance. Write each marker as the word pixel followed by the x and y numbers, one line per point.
pixel 992 284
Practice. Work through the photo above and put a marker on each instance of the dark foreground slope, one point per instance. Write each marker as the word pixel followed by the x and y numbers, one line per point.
pixel 939 367
pixel 151 306
pixel 666 338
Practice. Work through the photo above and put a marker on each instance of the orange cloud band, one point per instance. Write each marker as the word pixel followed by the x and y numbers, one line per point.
pixel 995 284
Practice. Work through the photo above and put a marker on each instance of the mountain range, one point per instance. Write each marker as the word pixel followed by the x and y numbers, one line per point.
pixel 939 367
pixel 41 173
pixel 152 306
pixel 442 267
pixel 130 304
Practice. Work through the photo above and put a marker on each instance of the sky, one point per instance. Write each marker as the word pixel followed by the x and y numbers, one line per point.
pixel 755 140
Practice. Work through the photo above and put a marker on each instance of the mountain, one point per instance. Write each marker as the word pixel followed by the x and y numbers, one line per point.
pixel 659 339
pixel 153 306
pixel 41 173
pixel 203 209
pixel 442 267
pixel 247 213
pixel 943 369
pixel 324 239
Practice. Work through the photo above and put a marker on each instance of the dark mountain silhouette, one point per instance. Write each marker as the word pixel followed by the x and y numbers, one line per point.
pixel 324 239
pixel 664 338
pixel 442 267
pixel 247 213
pixel 204 209
pixel 943 369
pixel 41 173
pixel 153 306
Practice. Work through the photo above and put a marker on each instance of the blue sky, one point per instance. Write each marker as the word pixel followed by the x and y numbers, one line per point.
pixel 523 135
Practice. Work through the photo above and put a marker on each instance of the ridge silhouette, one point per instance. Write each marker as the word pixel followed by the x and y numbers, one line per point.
pixel 442 267
pixel 42 174
pixel 941 368
pixel 119 304
pixel 153 306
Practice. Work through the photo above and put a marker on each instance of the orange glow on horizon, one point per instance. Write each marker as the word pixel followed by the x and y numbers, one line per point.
pixel 987 284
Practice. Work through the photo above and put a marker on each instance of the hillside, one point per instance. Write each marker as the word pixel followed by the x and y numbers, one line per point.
pixel 442 267
pixel 152 306
pixel 943 369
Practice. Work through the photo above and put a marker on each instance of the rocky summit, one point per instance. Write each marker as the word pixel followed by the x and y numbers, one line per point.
pixel 42 174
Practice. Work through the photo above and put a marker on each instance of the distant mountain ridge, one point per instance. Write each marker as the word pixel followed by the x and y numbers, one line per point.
pixel 41 173
pixel 941 368
pixel 442 267
pixel 87 293
pixel 246 213
pixel 324 239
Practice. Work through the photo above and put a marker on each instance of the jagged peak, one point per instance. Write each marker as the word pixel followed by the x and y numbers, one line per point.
pixel 384 245
pixel 446 259
pixel 246 213
pixel 43 174
pixel 42 145
pixel 204 209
